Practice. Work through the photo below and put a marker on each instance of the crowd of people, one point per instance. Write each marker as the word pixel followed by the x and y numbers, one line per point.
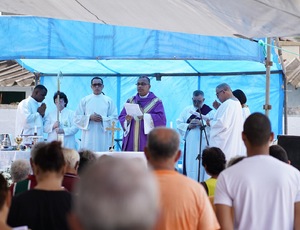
pixel 231 178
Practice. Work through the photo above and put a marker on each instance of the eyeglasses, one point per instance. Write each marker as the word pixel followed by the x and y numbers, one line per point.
pixel 97 84
pixel 141 83
pixel 198 101
pixel 217 94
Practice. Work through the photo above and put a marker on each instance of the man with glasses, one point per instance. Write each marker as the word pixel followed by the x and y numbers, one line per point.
pixel 190 124
pixel 227 125
pixel 94 114
pixel 135 134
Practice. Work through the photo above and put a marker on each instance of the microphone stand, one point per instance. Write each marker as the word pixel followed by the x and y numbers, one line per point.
pixel 199 157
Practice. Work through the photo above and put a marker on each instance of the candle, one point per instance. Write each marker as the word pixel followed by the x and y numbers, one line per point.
pixel 35 130
pixel 58 84
pixel 171 125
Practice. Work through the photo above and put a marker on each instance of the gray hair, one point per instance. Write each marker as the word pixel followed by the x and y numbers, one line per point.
pixel 71 157
pixel 224 86
pixel 19 170
pixel 115 193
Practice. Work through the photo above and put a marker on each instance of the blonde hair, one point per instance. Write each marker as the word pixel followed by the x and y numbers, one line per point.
pixel 71 157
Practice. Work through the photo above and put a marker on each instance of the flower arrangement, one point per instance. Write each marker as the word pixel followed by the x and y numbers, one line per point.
pixel 7 175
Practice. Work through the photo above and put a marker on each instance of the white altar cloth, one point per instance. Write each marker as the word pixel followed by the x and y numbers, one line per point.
pixel 7 157
pixel 128 154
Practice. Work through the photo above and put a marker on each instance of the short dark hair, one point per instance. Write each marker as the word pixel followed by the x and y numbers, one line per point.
pixel 40 87
pixel 61 96
pixel 145 77
pixel 197 93
pixel 257 128
pixel 96 78
pixel 50 157
pixel 214 160
pixel 163 145
pixel 239 94
pixel 278 152
pixel 3 190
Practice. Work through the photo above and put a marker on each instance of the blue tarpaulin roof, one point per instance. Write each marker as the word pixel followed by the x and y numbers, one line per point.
pixel 186 62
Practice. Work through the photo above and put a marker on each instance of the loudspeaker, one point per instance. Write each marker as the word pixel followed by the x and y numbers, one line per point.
pixel 291 144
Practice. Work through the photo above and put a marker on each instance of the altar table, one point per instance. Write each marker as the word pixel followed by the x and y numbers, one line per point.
pixel 7 157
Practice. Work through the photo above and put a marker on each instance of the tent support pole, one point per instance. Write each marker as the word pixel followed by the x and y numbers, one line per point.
pixel 268 64
pixel 36 78
pixel 284 85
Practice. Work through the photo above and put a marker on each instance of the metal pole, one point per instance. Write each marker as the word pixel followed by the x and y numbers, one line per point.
pixel 268 64
pixel 285 101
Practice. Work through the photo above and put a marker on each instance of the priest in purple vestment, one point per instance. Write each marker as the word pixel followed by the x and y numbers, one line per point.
pixel 135 132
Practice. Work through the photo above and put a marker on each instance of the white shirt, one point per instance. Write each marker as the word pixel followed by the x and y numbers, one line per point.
pixel 28 119
pixel 226 129
pixel 262 190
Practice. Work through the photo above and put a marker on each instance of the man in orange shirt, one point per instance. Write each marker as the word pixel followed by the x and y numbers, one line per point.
pixel 184 203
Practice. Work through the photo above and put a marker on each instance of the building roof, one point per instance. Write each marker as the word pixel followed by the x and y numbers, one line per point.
pixel 11 73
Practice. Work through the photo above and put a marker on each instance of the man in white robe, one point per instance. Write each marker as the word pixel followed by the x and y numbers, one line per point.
pixel 94 114
pixel 65 124
pixel 30 114
pixel 227 124
pixel 188 125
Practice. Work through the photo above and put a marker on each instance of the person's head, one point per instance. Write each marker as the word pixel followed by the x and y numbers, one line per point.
pixel 63 100
pixel 240 95
pixel 39 93
pixel 49 158
pixel 198 98
pixel 34 151
pixel 19 170
pixel 143 85
pixel 162 150
pixel 86 157
pixel 223 92
pixel 234 160
pixel 72 159
pixel 257 131
pixel 278 152
pixel 97 85
pixel 5 197
pixel 115 193
pixel 213 160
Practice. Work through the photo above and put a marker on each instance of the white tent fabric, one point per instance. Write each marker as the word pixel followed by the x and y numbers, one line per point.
pixel 251 18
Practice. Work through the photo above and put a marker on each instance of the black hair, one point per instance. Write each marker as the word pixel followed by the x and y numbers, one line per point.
pixel 96 78
pixel 278 152
pixel 239 94
pixel 214 160
pixel 257 128
pixel 3 190
pixel 61 96
pixel 145 77
pixel 50 157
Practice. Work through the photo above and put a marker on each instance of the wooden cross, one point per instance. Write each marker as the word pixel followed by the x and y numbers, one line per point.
pixel 112 129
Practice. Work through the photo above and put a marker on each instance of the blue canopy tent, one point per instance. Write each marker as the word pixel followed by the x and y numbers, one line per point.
pixel 177 63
